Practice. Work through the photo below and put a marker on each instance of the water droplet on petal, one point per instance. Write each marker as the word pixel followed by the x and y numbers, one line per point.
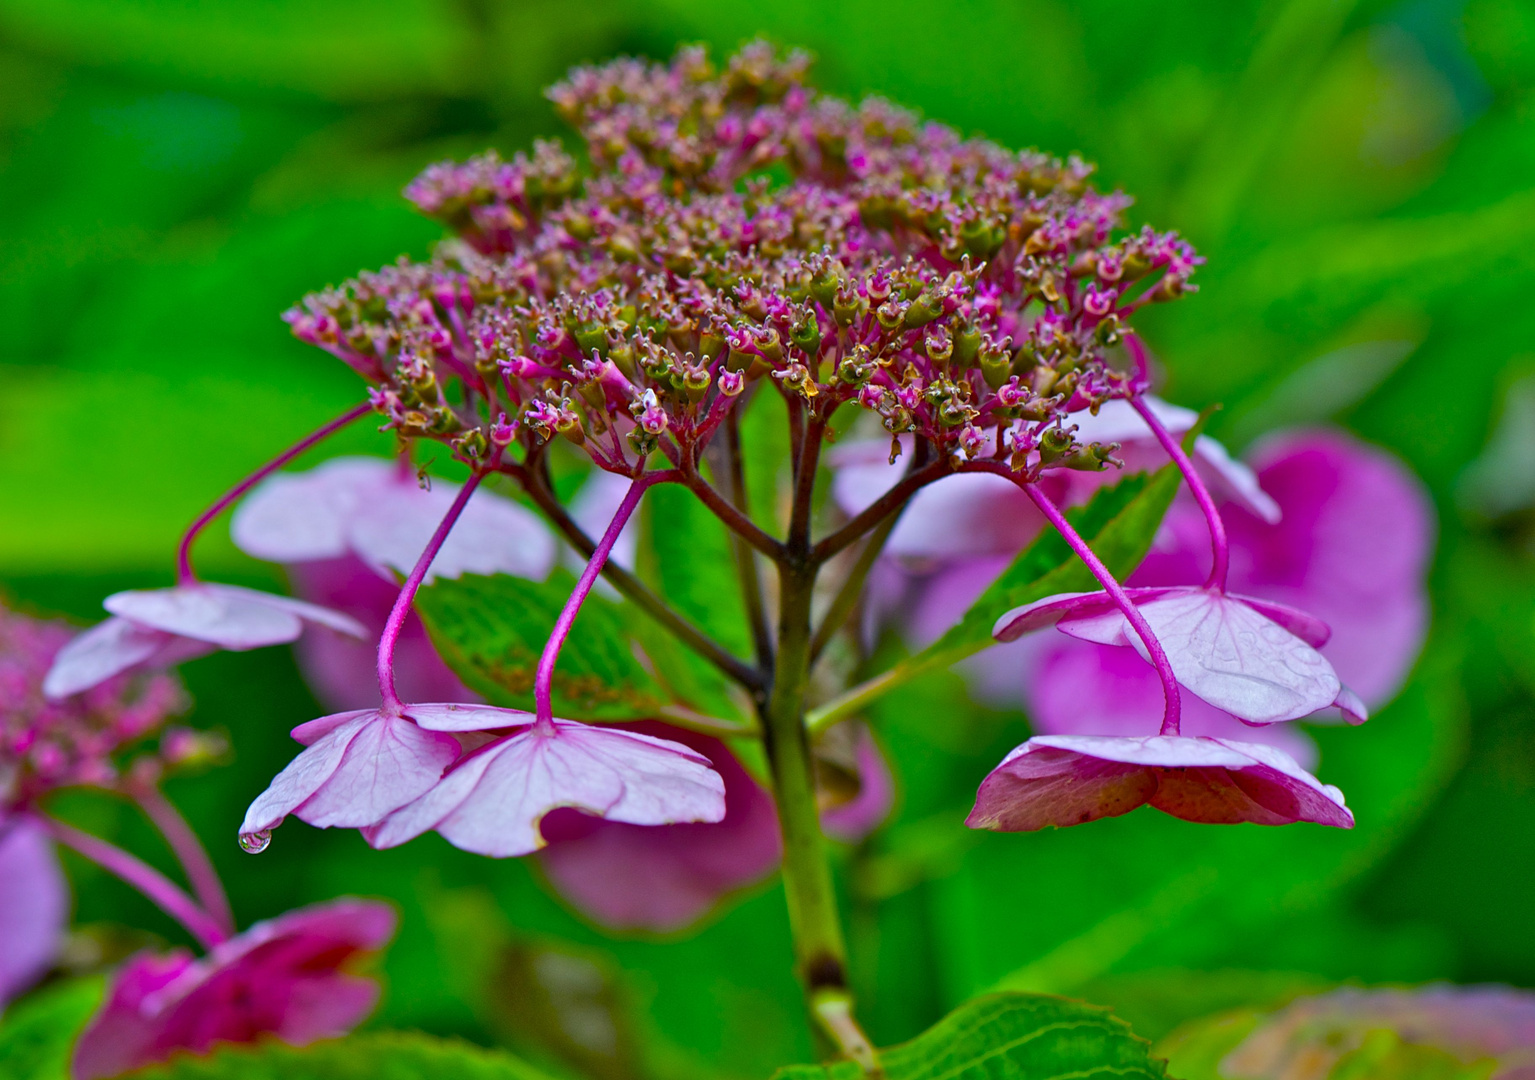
pixel 256 842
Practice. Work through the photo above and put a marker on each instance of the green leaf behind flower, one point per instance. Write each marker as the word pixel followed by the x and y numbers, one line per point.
pixel 38 1035
pixel 1011 1037
pixel 1119 522
pixel 613 666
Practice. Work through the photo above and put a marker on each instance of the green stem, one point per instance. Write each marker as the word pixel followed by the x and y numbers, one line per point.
pixel 820 953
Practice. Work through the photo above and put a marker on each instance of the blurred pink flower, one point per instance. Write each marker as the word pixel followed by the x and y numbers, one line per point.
pixel 344 528
pixel 1059 780
pixel 34 906
pixel 493 800
pixel 664 877
pixel 284 977
pixel 852 819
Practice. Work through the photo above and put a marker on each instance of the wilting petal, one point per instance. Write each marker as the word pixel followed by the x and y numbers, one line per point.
pixel 224 615
pixel 106 649
pixel 663 877
pixel 297 517
pixel 357 767
pixel 1070 779
pixel 34 906
pixel 492 802
pixel 284 978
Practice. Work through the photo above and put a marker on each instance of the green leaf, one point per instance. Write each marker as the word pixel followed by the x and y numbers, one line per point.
pixel 382 1056
pixel 694 566
pixel 1120 522
pixel 1011 1037
pixel 491 631
pixel 38 1035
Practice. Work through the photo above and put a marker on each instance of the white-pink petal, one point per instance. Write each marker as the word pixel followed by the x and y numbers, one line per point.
pixel 493 801
pixel 95 655
pixel 354 774
pixel 493 535
pixel 1226 653
pixel 297 517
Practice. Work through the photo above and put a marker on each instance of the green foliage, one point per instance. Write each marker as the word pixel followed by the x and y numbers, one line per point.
pixel 38 1034
pixel 381 1056
pixel 491 631
pixel 1011 1037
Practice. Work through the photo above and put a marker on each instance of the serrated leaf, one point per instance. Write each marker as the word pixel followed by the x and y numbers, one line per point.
pixel 1011 1037
pixel 1119 523
pixel 39 1033
pixel 382 1056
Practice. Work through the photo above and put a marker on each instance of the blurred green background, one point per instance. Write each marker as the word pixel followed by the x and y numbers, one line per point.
pixel 173 173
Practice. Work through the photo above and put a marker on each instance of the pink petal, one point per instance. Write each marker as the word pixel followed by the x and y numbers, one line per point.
pixel 493 536
pixel 493 801
pixel 297 517
pixel 321 616
pixel 1304 625
pixel 663 877
pixel 224 617
pixel 1226 653
pixel 1047 612
pixel 1233 479
pixel 1353 709
pixel 354 774
pixel 311 731
pixel 1069 779
pixel 34 906
pixel 461 716
pixel 594 507
pixel 106 649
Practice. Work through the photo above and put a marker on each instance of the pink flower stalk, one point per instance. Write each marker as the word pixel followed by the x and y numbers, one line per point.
pixel 1059 780
pixel 34 906
pixel 662 878
pixel 160 627
pixel 287 978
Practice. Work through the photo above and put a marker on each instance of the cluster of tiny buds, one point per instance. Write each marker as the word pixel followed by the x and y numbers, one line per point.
pixel 965 294
pixel 46 744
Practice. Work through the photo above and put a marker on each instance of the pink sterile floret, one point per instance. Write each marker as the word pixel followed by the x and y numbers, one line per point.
pixel 283 977
pixel 370 508
pixel 358 766
pixel 34 905
pixel 663 877
pixel 1071 779
pixel 162 626
pixel 492 801
pixel 1254 659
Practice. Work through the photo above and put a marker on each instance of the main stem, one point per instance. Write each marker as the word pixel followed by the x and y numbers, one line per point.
pixel 820 952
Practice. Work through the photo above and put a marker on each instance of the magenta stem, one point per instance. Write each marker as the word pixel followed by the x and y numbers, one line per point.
pixel 189 851
pixel 1170 693
pixel 543 681
pixel 1219 547
pixel 146 879
pixel 184 575
pixel 393 706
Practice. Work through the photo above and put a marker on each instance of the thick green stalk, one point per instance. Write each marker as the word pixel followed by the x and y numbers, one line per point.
pixel 820 953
